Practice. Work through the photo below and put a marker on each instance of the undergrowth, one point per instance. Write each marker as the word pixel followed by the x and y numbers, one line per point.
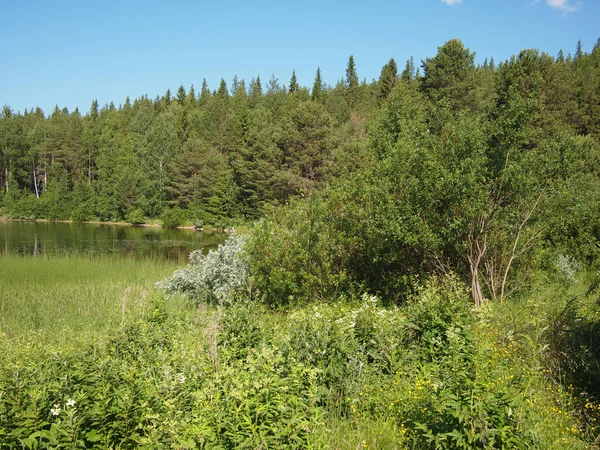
pixel 432 374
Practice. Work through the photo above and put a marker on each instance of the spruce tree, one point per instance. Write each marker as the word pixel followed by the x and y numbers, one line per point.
pixel 293 83
pixel 408 74
pixel 204 94
pixel 223 92
pixel 317 86
pixel 181 95
pixel 388 78
pixel 351 81
pixel 94 110
pixel 579 50
pixel 191 97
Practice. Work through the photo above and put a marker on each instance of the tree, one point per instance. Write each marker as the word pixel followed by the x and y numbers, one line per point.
pixel 223 93
pixel 181 95
pixel 388 78
pixel 293 83
pixel 579 50
pixel 351 81
pixel 448 77
pixel 408 73
pixel 317 86
pixel 204 93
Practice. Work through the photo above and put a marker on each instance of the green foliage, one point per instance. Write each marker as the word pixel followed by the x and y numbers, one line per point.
pixel 135 217
pixel 294 256
pixel 173 217
pixel 218 276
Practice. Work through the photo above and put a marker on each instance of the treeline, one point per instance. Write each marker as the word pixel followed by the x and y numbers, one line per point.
pixel 490 173
pixel 208 156
pixel 225 154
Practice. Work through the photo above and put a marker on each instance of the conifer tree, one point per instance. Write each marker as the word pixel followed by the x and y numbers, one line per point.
pixel 273 84
pixel 317 86
pixel 191 96
pixel 579 50
pixel 181 95
pixel 204 93
pixel 408 73
pixel 235 84
pixel 351 82
pixel 293 83
pixel 449 75
pixel 94 110
pixel 223 92
pixel 388 78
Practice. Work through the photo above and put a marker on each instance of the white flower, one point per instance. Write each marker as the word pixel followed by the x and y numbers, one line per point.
pixel 56 410
pixel 70 403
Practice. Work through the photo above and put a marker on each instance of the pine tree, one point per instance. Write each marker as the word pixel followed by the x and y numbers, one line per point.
pixel 256 87
pixel 388 78
pixel 351 74
pixel 181 95
pixel 449 76
pixel 351 82
pixel 235 85
pixel 94 110
pixel 560 58
pixel 204 94
pixel 273 85
pixel 317 89
pixel 191 96
pixel 293 83
pixel 408 74
pixel 579 50
pixel 223 92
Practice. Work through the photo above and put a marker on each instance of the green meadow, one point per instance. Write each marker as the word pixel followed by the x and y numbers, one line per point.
pixel 93 356
pixel 77 293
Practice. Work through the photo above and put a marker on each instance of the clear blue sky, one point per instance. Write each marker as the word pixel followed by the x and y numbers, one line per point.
pixel 72 52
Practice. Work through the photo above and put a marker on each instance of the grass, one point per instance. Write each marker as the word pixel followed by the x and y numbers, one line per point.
pixel 80 293
pixel 92 357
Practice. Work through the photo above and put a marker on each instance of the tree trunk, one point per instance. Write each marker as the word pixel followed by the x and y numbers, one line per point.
pixel 35 186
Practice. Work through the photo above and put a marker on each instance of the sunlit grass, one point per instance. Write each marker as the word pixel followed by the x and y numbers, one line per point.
pixel 80 293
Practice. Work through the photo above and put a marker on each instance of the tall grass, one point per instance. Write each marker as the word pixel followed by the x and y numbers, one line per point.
pixel 79 293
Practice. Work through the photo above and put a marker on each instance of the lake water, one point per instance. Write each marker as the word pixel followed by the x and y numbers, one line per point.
pixel 49 238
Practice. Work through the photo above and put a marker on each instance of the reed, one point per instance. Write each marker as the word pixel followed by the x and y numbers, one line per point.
pixel 79 293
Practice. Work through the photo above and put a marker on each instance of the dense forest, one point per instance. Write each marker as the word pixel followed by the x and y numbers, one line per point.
pixel 224 154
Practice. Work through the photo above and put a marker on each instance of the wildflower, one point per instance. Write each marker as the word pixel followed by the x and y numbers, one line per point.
pixel 70 403
pixel 56 410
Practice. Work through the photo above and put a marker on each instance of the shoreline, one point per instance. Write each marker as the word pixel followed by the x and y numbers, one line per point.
pixel 99 222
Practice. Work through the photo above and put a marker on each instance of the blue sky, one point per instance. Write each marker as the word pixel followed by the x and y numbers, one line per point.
pixel 72 52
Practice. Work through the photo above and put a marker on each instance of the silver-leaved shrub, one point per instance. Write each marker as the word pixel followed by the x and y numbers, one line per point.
pixel 216 276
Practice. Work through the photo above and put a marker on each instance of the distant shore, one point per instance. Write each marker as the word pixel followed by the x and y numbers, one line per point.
pixel 99 222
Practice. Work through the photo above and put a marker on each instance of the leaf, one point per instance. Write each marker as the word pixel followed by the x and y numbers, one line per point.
pixel 93 436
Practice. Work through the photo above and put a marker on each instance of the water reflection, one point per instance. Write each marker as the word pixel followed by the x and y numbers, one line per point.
pixel 46 238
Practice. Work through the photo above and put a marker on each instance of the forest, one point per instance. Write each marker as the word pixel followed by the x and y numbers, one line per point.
pixel 225 154
pixel 421 270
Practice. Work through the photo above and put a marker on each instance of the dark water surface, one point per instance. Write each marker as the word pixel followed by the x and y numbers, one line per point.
pixel 49 238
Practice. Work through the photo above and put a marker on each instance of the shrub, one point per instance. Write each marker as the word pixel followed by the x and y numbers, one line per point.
pixel 135 216
pixel 216 276
pixel 173 217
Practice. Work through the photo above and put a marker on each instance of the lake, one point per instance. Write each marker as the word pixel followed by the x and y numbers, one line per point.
pixel 52 238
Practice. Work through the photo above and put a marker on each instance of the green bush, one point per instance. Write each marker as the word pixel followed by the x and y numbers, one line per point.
pixel 135 217
pixel 295 256
pixel 173 217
